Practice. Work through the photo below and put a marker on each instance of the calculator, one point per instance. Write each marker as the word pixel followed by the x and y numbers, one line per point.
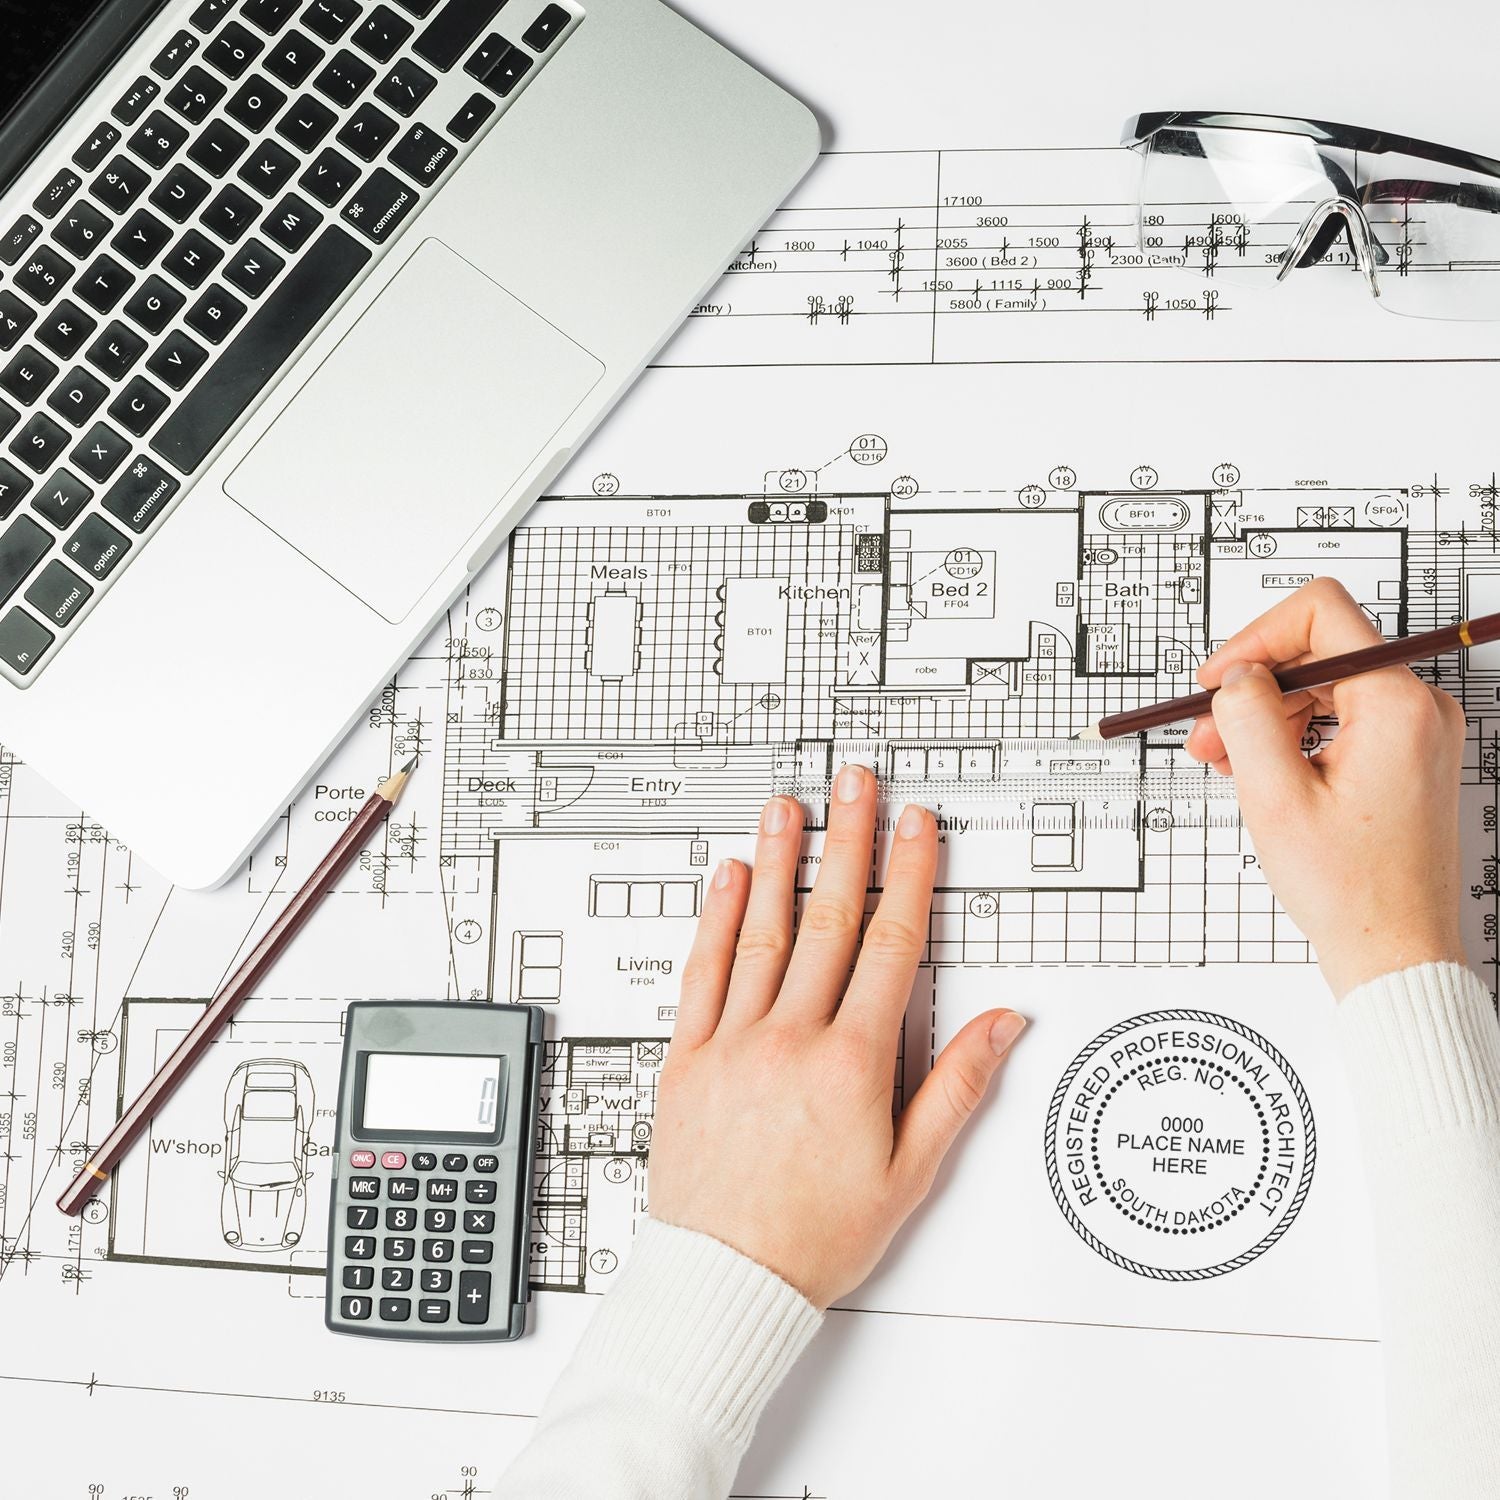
pixel 429 1222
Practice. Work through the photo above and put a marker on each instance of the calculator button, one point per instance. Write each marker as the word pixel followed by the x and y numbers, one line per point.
pixel 364 1187
pixel 359 1247
pixel 435 1279
pixel 359 1278
pixel 442 1189
pixel 433 1310
pixel 393 1161
pixel 487 1162
pixel 439 1220
pixel 423 1161
pixel 355 1308
pixel 360 1160
pixel 395 1309
pixel 480 1192
pixel 400 1248
pixel 479 1221
pixel 396 1279
pixel 437 1250
pixel 455 1161
pixel 478 1252
pixel 362 1215
pixel 401 1187
pixel 402 1220
pixel 473 1296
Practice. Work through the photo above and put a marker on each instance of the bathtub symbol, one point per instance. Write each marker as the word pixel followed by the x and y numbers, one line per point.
pixel 1155 513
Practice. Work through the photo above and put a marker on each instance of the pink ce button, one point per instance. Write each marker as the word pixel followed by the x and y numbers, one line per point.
pixel 393 1161
pixel 361 1159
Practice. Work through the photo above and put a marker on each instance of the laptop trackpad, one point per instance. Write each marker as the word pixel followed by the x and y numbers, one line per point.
pixel 407 435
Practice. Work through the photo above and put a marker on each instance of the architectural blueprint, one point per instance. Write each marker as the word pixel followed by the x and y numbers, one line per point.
pixel 878 503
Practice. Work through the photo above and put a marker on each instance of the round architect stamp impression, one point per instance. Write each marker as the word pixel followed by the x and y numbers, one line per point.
pixel 1180 1144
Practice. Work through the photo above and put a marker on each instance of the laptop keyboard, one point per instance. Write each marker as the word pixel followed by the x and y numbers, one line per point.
pixel 220 207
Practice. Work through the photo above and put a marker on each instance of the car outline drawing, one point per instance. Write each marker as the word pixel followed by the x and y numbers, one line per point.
pixel 268 1111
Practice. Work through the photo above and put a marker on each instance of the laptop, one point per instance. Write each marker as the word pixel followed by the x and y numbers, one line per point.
pixel 302 303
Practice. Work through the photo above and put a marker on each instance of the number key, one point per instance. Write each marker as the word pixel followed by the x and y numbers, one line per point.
pixel 439 1220
pixel 435 1279
pixel 43 274
pixel 359 1278
pixel 356 1309
pixel 402 1220
pixel 156 139
pixel 399 1248
pixel 233 50
pixel 81 229
pixel 119 184
pixel 437 1250
pixel 359 1246
pixel 362 1215
pixel 396 1279
pixel 15 318
pixel 195 94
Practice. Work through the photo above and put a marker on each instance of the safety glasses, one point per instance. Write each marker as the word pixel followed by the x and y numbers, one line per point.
pixel 1249 198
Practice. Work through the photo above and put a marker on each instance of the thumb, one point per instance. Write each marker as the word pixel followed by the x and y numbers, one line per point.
pixel 950 1094
pixel 1262 743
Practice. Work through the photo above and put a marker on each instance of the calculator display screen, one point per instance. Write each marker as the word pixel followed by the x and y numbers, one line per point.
pixel 432 1093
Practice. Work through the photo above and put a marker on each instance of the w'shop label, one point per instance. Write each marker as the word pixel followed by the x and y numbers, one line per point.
pixel 1180 1145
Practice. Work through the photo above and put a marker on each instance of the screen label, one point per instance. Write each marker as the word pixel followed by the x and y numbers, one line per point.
pixel 433 1093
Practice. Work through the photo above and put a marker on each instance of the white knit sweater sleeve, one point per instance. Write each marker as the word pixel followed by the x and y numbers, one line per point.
pixel 1422 1050
pixel 663 1393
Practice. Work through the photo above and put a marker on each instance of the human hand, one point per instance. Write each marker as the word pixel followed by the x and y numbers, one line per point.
pixel 773 1129
pixel 1359 842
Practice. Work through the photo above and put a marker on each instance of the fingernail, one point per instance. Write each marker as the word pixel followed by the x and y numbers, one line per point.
pixel 724 874
pixel 773 818
pixel 913 821
pixel 850 783
pixel 1235 671
pixel 1008 1026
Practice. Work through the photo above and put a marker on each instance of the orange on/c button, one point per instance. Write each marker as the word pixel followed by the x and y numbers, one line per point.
pixel 393 1161
pixel 361 1159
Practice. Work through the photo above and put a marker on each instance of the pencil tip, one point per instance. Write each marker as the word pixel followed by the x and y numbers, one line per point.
pixel 1091 733
pixel 409 767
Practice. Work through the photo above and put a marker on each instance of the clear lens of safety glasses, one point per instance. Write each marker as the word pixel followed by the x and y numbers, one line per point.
pixel 1251 204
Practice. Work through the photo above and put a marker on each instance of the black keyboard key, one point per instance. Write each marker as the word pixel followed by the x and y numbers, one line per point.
pixel 9 416
pixel 398 1247
pixel 62 499
pixel 177 359
pixel 310 287
pixel 13 485
pixel 545 29
pixel 15 318
pixel 467 121
pixel 400 1187
pixel 455 1161
pixel 487 1162
pixel 442 1189
pixel 330 19
pixel 194 95
pixel 231 213
pixel 381 204
pixel 509 69
pixel 381 33
pixel 367 131
pixel 40 443
pixel 486 55
pixel 360 1246
pixel 96 548
pixel 179 193
pixel 157 139
pixel 96 147
pixel 329 177
pixel 437 1250
pixel 22 641
pixel 154 304
pixel 479 1192
pixel 22 546
pixel 478 1252
pixel 450 34
pixel 218 147
pixel 354 1309
pixel 81 230
pixel 64 328
pixel 293 58
pixel 405 87
pixel 433 1309
pixel 395 1278
pixel 479 1221
pixel 170 59
pixel 18 238
pixel 138 406
pixel 140 494
pixel 253 267
pixel 192 259
pixel 128 109
pixel 43 274
pixel 28 374
pixel 269 16
pixel 361 1216
pixel 233 50
pixel 115 351
pixel 215 314
pixel 77 396
pixel 359 1278
pixel 120 184
pixel 290 224
pixel 395 1309
pixel 49 202
pixel 436 1279
pixel 142 238
pixel 439 1220
pixel 255 103
pixel 58 594
pixel 422 154
pixel 103 283
pixel 402 1220
pixel 344 78
pixel 210 13
pixel 473 1296
pixel 418 8
pixel 306 123
pixel 268 168
pixel 100 451
pixel 423 1161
